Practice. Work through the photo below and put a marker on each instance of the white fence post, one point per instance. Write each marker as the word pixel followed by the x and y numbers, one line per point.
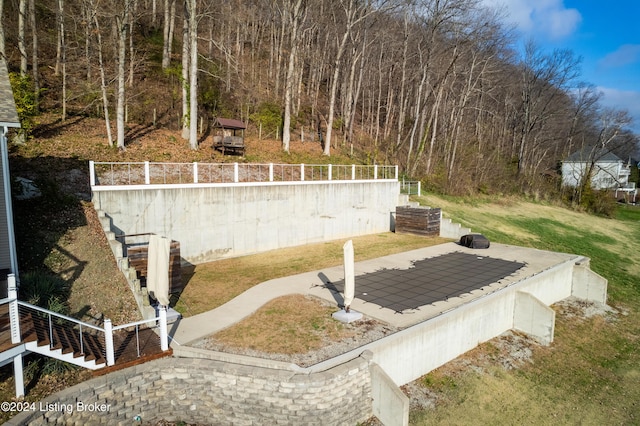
pixel 396 167
pixel 236 174
pixel 270 172
pixel 18 375
pixel 330 172
pixel 353 172
pixel 302 172
pixel 195 172
pixel 92 174
pixel 375 171
pixel 164 339
pixel 147 178
pixel 108 342
pixel 14 316
pixel 419 193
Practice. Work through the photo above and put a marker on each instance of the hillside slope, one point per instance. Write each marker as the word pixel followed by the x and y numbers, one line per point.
pixel 589 374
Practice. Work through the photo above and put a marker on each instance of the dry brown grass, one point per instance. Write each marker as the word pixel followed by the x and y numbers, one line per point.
pixel 210 285
pixel 292 324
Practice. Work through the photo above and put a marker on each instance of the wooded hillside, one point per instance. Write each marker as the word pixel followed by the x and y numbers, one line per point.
pixel 436 86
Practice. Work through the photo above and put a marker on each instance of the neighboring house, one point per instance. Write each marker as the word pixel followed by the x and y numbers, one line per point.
pixel 607 170
pixel 8 119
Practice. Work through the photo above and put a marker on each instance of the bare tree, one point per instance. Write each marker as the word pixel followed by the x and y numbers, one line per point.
pixel 34 53
pixel 103 80
pixel 168 27
pixel 122 22
pixel 355 12
pixel 294 15
pixel 544 79
pixel 193 77
pixel 62 54
pixel 610 137
pixel 185 70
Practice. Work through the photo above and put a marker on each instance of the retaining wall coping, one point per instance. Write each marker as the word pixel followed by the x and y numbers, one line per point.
pixel 195 353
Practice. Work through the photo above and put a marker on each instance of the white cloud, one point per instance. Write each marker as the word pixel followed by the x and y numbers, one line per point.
pixel 626 54
pixel 549 19
pixel 623 99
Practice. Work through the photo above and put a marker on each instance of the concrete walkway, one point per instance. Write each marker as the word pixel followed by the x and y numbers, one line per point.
pixel 313 283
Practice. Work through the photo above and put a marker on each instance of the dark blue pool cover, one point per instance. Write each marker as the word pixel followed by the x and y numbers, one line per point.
pixel 429 280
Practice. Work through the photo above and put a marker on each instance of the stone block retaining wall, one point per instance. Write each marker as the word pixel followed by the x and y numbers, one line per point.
pixel 206 391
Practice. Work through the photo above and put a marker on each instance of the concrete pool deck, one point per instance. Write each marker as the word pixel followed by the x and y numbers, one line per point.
pixel 320 283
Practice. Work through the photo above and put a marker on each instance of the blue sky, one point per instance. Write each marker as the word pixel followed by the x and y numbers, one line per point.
pixel 603 33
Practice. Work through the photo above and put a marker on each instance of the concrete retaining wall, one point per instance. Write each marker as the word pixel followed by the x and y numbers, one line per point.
pixel 218 221
pixel 215 388
pixel 417 350
pixel 390 404
pixel 209 392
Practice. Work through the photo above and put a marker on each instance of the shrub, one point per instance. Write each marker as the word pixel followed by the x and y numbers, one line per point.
pixel 45 290
pixel 598 202
pixel 270 116
pixel 25 99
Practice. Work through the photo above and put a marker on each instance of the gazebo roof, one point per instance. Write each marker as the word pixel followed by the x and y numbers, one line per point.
pixel 8 113
pixel 230 123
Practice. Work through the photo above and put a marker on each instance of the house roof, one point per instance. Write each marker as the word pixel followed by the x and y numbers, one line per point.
pixel 230 123
pixel 591 153
pixel 8 113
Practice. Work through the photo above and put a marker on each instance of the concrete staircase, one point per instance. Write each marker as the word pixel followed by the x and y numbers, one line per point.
pixel 452 230
pixel 117 248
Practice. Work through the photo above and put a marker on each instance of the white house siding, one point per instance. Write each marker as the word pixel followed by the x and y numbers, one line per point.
pixel 605 174
pixel 5 253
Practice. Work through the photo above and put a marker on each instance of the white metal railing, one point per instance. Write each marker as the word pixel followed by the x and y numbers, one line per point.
pixel 624 171
pixel 64 331
pixel 147 173
pixel 410 187
pixel 56 327
pixel 160 322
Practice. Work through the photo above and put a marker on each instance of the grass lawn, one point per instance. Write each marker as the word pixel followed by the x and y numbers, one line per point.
pixel 210 285
pixel 590 375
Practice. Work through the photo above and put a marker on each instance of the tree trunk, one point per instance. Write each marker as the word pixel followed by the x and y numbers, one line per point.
pixel 63 58
pixel 88 19
pixel 34 53
pixel 103 81
pixel 131 49
pixel 167 28
pixel 22 47
pixel 403 81
pixel 185 71
pixel 293 17
pixel 193 83
pixel 122 52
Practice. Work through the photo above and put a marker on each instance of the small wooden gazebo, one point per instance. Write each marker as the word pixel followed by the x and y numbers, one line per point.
pixel 226 139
